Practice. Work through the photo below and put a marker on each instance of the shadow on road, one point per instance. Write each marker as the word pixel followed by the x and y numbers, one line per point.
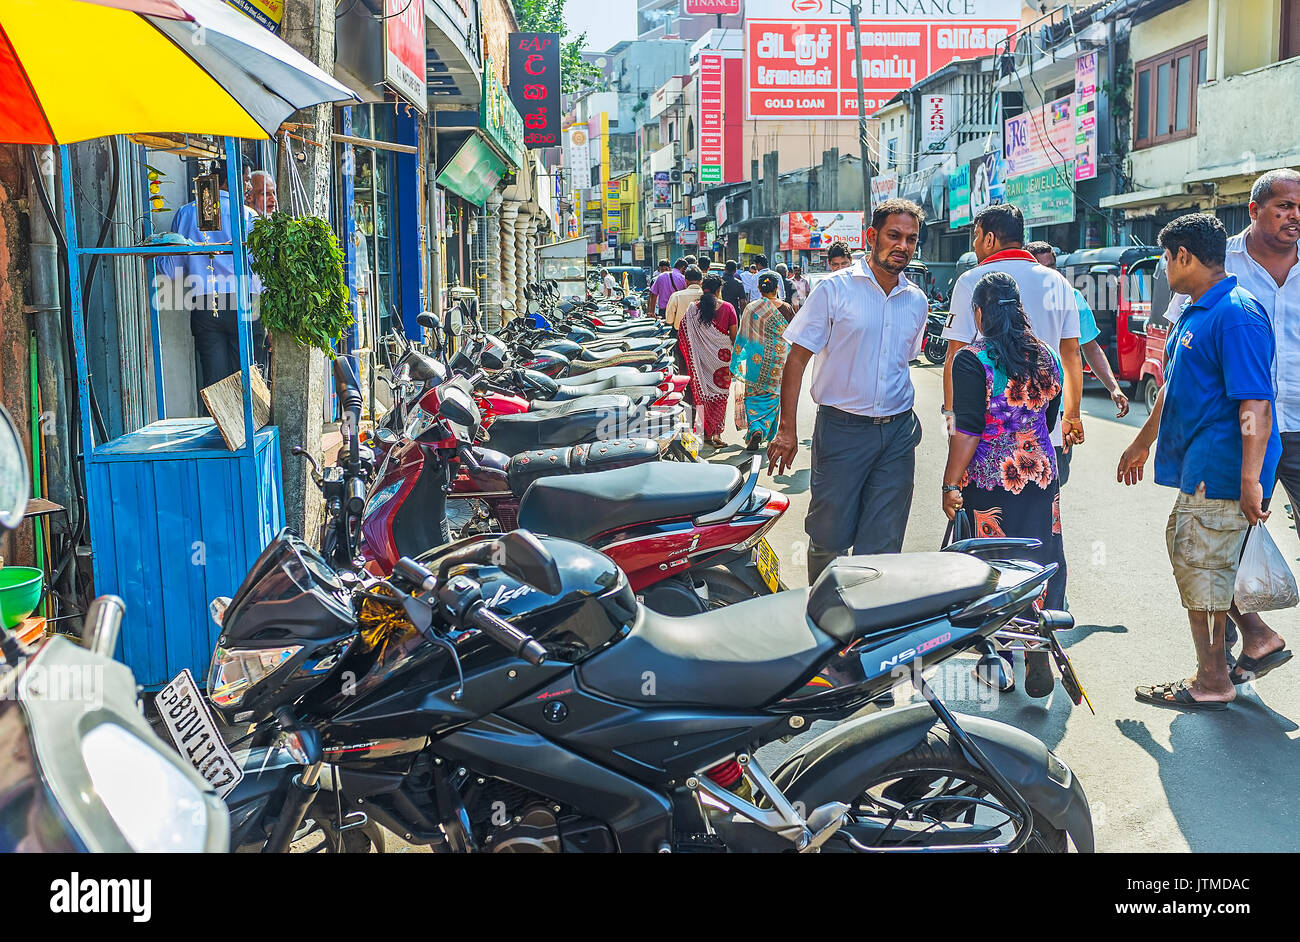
pixel 1224 774
pixel 796 483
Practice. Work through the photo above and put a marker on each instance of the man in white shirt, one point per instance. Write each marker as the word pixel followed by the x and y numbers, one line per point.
pixel 1265 259
pixel 760 262
pixel 749 278
pixel 864 324
pixel 1049 300
pixel 609 282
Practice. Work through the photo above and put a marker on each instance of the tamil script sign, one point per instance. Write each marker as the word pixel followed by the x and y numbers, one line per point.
pixel 1045 197
pixel 800 61
pixel 711 125
pixel 535 86
pixel 404 66
pixel 1040 138
pixel 817 230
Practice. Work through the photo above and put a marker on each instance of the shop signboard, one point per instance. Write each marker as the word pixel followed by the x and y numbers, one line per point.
pixel 663 192
pixel 711 7
pixel 712 129
pixel 535 86
pixel 720 213
pixel 1085 116
pixel 799 54
pixel 936 123
pixel 404 65
pixel 959 197
pixel 579 158
pixel 1041 138
pixel 1045 197
pixel 499 119
pixel 267 13
pixel 884 186
pixel 473 172
pixel 988 176
pixel 817 230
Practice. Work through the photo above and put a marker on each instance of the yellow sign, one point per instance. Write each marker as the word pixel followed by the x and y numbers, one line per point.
pixel 267 13
pixel 749 248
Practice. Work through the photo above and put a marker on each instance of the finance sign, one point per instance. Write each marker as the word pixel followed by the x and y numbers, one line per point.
pixel 535 86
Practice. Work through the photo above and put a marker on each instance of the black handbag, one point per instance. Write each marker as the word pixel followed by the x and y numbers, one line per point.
pixel 959 528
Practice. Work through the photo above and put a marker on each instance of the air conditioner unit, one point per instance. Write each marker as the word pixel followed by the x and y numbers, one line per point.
pixel 674 176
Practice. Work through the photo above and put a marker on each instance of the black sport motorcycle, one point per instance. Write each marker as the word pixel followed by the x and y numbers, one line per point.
pixel 512 695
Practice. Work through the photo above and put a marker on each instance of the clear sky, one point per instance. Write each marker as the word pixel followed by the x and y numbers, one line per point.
pixel 605 21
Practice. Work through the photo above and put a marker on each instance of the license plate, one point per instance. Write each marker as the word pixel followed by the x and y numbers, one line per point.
pixel 190 724
pixel 769 568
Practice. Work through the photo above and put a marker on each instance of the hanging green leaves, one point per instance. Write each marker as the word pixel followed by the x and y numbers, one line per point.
pixel 300 263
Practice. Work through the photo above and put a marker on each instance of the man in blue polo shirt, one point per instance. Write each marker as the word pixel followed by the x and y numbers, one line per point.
pixel 1217 443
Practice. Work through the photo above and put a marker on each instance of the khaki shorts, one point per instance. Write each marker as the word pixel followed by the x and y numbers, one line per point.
pixel 1205 537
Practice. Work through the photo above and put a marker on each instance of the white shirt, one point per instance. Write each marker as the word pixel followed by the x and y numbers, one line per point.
pixel 610 283
pixel 1048 299
pixel 750 280
pixel 863 341
pixel 755 294
pixel 1283 307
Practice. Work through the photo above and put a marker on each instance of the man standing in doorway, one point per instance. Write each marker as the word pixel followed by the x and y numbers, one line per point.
pixel 1049 301
pixel 261 197
pixel 1216 438
pixel 669 280
pixel 864 325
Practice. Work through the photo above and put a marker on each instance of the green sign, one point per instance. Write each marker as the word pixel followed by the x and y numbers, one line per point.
pixel 710 173
pixel 474 172
pixel 959 197
pixel 1045 197
pixel 499 119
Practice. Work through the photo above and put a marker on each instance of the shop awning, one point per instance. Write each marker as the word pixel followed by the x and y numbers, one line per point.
pixel 474 172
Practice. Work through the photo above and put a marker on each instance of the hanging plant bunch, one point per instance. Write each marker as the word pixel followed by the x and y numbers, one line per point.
pixel 300 263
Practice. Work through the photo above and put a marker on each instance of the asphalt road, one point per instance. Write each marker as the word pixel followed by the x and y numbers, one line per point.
pixel 1157 780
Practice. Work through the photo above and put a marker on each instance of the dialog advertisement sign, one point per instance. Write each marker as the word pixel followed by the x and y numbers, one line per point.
pixel 1045 197
pixel 959 197
pixel 1085 116
pixel 535 86
pixel 711 124
pixel 799 54
pixel 1040 138
pixel 404 65
pixel 817 230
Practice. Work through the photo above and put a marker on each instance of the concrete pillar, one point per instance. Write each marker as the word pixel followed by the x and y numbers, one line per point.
pixel 522 224
pixel 509 216
pixel 297 373
pixel 489 284
pixel 534 272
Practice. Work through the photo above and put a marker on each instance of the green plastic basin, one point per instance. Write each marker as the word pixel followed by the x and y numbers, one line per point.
pixel 20 590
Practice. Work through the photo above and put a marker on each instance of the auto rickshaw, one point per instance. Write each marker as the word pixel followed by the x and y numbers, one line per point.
pixel 1157 334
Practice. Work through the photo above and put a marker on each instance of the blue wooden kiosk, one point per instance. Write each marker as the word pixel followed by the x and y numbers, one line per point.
pixel 176 518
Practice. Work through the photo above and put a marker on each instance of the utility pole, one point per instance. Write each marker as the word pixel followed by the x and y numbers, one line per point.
pixel 298 373
pixel 855 11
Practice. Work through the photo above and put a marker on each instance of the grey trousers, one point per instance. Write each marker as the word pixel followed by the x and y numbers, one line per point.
pixel 862 479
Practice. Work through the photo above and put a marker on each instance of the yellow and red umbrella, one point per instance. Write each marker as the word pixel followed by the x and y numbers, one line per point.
pixel 72 70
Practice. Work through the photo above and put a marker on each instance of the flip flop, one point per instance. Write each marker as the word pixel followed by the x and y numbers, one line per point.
pixel 1249 668
pixel 1181 699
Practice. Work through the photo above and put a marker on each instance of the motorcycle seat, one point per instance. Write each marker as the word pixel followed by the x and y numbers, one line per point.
pixel 628 376
pixel 530 466
pixel 635 393
pixel 625 358
pixel 592 418
pixel 742 656
pixel 858 595
pixel 581 506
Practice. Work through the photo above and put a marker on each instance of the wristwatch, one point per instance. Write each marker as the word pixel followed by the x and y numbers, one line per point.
pixel 952 487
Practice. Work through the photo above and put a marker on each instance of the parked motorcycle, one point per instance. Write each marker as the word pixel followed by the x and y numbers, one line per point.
pixel 935 347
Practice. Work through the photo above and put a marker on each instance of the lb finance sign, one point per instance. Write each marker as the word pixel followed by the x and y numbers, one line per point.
pixel 800 60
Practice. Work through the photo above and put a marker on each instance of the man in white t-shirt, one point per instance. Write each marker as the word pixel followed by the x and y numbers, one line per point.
pixel 610 283
pixel 1049 300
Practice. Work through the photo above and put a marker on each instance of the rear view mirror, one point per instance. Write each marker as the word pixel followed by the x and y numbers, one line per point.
pixel 522 556
pixel 458 408
pixel 455 320
pixel 534 306
pixel 14 481
pixel 427 320
pixel 507 304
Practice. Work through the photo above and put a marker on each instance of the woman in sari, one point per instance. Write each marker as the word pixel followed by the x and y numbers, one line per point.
pixel 759 358
pixel 706 333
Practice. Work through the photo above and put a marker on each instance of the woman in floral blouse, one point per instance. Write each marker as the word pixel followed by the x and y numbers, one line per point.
pixel 1001 465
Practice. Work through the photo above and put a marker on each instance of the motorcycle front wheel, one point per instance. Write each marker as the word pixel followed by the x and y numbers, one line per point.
pixel 933 796
pixel 936 349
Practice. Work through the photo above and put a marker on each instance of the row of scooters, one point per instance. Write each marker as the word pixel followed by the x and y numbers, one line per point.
pixel 540 690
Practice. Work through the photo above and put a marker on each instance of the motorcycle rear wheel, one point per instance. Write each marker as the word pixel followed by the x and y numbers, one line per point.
pixel 933 769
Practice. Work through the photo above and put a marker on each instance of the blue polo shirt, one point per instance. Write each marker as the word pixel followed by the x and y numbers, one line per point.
pixel 1219 352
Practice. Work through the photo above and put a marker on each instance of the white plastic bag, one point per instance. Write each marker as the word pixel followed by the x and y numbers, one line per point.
pixel 1264 580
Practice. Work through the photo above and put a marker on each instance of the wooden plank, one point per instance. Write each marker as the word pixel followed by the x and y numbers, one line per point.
pixel 225 402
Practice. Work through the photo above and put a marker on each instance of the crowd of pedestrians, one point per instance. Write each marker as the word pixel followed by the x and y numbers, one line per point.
pixel 1224 429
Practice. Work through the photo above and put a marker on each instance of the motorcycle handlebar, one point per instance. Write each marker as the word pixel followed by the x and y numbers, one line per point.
pixel 356 495
pixel 102 622
pixel 519 643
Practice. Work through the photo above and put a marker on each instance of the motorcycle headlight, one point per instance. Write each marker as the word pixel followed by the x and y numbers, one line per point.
pixel 155 806
pixel 235 671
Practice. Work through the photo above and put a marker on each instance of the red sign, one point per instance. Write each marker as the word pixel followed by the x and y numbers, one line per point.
pixel 404 66
pixel 800 59
pixel 535 86
pixel 712 131
pixel 712 7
